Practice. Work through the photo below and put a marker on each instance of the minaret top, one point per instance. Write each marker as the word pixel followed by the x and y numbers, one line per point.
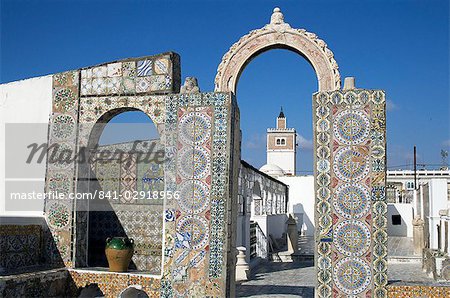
pixel 281 114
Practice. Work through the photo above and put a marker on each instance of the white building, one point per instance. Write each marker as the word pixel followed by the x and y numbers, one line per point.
pixel 263 202
pixel 422 195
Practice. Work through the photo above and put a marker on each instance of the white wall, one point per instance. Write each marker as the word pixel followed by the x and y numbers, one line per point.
pixel 438 201
pixel 405 229
pixel 284 159
pixel 301 200
pixel 243 234
pixel 26 101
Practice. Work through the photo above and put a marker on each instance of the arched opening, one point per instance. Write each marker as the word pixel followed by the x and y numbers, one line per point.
pixel 125 176
pixel 283 79
pixel 262 87
pixel 256 204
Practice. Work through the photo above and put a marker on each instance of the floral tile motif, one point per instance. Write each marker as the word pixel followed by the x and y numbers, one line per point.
pixel 157 83
pixel 86 86
pixel 128 85
pixel 161 73
pixel 197 128
pixel 20 246
pixel 66 92
pixel 114 69
pixel 129 69
pixel 350 152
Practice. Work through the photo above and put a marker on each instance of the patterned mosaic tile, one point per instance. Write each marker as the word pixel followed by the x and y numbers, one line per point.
pixel 144 68
pixel 351 257
pixel 143 84
pixel 409 291
pixel 21 246
pixel 129 69
pixel 112 284
pixel 162 66
pixel 114 69
pixel 59 213
pixel 100 71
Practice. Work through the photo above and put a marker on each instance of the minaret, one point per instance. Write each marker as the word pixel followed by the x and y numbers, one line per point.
pixel 282 145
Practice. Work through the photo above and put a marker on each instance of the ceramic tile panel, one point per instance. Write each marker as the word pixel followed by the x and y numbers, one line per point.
pixel 152 74
pixel 60 175
pixel 20 246
pixel 349 129
pixel 196 254
pixel 112 284
pixel 408 291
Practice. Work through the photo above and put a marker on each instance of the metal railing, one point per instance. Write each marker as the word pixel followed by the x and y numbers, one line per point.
pixel 258 241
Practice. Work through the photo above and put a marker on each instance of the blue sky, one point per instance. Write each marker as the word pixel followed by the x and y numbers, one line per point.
pixel 399 46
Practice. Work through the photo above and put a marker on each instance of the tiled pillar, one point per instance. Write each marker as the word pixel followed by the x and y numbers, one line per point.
pixel 350 146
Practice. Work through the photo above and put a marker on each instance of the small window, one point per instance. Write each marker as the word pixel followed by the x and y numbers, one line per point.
pixel 410 185
pixel 396 220
pixel 280 141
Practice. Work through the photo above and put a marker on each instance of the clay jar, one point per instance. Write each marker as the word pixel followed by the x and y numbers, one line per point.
pixel 119 251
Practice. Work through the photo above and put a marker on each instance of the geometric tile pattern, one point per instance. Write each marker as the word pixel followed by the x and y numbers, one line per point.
pixel 349 128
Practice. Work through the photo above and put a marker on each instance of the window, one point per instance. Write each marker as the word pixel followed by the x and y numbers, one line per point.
pixel 410 185
pixel 280 141
pixel 396 220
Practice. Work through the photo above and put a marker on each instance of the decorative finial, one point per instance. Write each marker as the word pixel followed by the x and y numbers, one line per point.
pixel 277 16
pixel 190 85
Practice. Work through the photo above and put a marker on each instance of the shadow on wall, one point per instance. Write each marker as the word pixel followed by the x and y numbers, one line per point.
pixel 304 223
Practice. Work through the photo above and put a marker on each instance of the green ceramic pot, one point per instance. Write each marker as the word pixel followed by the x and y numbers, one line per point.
pixel 119 251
